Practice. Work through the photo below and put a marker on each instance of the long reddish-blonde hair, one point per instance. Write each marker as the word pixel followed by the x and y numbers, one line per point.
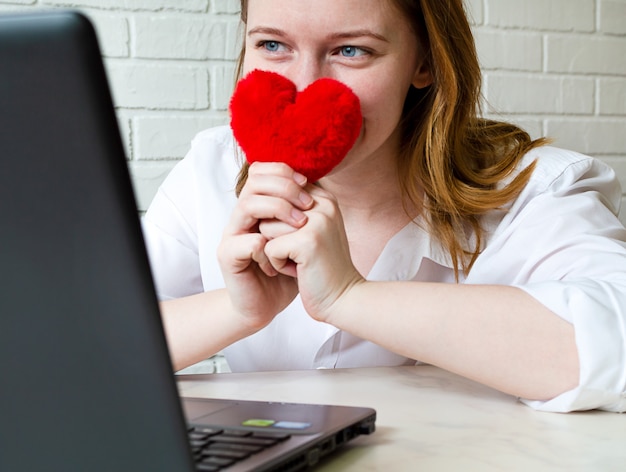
pixel 451 160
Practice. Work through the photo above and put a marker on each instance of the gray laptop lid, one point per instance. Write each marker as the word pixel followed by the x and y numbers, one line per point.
pixel 65 225
pixel 86 377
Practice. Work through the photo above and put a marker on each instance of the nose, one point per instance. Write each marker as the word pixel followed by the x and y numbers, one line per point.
pixel 305 71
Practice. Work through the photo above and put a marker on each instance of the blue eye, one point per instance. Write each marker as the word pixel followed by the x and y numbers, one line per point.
pixel 271 46
pixel 351 51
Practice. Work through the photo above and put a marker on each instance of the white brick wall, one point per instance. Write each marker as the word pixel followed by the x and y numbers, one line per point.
pixel 556 67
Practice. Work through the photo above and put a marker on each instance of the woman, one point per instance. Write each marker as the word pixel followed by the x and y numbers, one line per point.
pixel 440 238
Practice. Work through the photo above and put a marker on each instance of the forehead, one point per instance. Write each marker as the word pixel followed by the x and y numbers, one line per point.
pixel 325 15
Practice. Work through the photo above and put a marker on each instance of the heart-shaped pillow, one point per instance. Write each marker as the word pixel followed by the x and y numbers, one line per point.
pixel 311 131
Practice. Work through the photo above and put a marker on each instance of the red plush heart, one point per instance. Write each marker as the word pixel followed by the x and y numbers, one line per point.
pixel 311 131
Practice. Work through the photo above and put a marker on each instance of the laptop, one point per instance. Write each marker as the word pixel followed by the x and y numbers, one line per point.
pixel 87 382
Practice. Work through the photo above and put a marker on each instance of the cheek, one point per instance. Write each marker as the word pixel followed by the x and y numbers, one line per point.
pixel 248 63
pixel 381 105
pixel 253 62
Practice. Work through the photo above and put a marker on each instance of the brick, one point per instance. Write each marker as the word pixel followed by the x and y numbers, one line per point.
pixel 184 38
pixel 509 50
pixel 20 2
pixel 225 6
pixel 157 87
pixel 10 9
pixel 136 5
pixel 234 43
pixel 553 15
pixel 147 178
pixel 586 54
pixel 613 16
pixel 113 34
pixel 475 11
pixel 591 136
pixel 123 122
pixel 612 96
pixel 540 94
pixel 222 85
pixel 169 136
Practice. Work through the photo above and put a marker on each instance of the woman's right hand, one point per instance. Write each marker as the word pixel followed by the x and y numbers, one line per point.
pixel 273 193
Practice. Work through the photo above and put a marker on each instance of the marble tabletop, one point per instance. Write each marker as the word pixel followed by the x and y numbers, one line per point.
pixel 432 420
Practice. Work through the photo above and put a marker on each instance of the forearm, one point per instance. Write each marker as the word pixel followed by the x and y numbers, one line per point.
pixel 496 335
pixel 201 325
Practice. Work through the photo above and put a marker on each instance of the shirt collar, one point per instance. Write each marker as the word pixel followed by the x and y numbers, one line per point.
pixel 404 255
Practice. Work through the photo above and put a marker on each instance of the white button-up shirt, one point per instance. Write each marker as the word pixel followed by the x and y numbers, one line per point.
pixel 560 241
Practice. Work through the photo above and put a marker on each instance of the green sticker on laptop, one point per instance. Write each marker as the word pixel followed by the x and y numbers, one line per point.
pixel 258 422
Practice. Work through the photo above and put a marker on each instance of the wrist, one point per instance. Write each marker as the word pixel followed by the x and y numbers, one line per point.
pixel 347 303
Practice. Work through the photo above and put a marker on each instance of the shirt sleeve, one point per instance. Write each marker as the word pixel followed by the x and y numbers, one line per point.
pixel 185 221
pixel 170 235
pixel 562 243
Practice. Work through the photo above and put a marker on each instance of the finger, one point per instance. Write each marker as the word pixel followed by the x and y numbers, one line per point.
pixel 272 229
pixel 279 258
pixel 279 254
pixel 286 184
pixel 318 193
pixel 276 168
pixel 236 254
pixel 250 210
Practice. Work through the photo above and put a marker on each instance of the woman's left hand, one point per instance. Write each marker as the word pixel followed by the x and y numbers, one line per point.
pixel 317 254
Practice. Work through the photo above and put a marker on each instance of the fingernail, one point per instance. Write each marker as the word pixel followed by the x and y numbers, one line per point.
pixel 298 216
pixel 299 178
pixel 305 198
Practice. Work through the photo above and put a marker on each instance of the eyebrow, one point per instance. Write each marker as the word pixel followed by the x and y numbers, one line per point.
pixel 358 34
pixel 342 35
pixel 266 30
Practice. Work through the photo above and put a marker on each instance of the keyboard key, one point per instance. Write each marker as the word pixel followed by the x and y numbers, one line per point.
pixel 207 468
pixel 224 453
pixel 276 436
pixel 217 461
pixel 197 443
pixel 236 432
pixel 248 441
pixel 205 431
pixel 198 436
pixel 235 447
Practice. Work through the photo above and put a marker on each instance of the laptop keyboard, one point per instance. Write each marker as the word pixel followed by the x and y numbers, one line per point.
pixel 216 449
